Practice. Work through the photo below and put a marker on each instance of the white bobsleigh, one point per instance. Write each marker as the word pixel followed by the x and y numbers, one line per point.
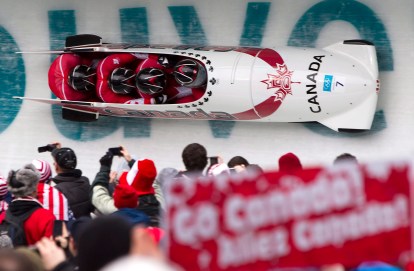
pixel 336 86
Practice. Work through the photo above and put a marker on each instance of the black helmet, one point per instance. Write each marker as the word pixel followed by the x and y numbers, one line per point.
pixel 190 73
pixel 82 78
pixel 151 81
pixel 121 81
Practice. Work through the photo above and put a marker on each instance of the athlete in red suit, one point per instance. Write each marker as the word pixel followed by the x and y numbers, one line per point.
pixel 73 78
pixel 116 78
pixel 127 78
pixel 157 75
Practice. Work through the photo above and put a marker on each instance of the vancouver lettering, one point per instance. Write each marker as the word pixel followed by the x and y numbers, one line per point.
pixel 313 95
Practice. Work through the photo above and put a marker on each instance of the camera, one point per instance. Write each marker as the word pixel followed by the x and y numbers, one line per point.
pixel 48 147
pixel 116 151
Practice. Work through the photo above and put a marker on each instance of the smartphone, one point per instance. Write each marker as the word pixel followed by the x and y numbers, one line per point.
pixel 116 151
pixel 57 228
pixel 213 160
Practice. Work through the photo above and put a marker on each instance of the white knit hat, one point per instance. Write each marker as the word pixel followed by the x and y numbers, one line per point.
pixel 3 187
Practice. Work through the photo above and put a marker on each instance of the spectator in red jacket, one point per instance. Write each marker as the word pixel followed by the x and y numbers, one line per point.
pixel 37 221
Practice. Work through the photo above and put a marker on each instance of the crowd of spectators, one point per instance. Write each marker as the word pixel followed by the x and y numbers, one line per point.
pixel 60 220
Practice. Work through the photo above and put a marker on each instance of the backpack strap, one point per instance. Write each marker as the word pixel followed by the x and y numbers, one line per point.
pixel 17 223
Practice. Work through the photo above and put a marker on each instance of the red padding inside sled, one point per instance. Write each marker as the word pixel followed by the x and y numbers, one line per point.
pixel 58 78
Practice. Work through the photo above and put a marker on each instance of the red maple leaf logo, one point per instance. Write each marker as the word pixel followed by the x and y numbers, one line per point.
pixel 282 81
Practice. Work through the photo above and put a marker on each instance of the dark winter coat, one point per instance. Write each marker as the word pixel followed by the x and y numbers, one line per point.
pixel 76 189
pixel 149 205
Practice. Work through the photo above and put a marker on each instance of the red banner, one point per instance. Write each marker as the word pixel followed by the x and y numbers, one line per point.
pixel 346 214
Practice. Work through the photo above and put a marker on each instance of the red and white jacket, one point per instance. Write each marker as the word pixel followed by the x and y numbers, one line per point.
pixel 53 200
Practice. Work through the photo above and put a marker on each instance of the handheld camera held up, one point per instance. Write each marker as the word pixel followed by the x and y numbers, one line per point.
pixel 48 147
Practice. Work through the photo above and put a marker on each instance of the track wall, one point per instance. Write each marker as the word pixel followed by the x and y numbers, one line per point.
pixel 43 24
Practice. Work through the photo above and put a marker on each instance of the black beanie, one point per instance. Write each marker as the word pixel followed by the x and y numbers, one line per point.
pixel 65 158
pixel 103 240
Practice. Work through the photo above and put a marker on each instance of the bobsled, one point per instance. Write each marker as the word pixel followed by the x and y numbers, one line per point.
pixel 336 86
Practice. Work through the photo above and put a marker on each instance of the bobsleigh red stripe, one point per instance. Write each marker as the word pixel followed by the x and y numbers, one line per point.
pixel 261 110
pixel 270 105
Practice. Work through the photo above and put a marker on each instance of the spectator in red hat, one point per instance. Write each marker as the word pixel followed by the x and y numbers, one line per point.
pixel 141 177
pixel 289 163
pixel 126 200
pixel 51 198
pixel 166 173
pixel 125 196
